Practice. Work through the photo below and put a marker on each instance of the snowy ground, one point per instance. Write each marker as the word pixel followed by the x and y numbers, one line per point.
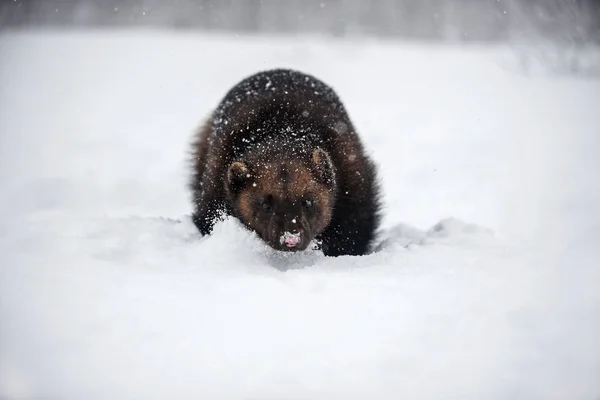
pixel 487 285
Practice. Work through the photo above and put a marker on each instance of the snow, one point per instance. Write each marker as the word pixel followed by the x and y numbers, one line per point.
pixel 486 283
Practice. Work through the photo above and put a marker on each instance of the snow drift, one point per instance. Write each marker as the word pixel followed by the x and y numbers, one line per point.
pixel 485 283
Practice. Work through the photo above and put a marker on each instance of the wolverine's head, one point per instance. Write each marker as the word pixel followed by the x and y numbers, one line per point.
pixel 286 200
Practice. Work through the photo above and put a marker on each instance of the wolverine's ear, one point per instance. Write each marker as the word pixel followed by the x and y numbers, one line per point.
pixel 238 176
pixel 323 167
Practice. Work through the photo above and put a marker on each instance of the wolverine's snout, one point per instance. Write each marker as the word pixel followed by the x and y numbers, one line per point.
pixel 290 239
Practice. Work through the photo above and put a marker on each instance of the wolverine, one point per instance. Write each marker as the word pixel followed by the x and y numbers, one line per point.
pixel 280 154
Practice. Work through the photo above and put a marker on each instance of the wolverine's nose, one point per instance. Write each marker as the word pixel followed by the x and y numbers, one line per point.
pixel 290 239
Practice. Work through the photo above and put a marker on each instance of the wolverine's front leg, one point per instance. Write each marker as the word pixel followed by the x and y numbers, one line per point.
pixel 207 213
pixel 352 231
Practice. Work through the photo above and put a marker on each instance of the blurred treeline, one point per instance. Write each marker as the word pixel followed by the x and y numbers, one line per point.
pixel 575 21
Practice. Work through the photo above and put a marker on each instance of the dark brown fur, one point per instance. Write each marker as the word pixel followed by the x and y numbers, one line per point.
pixel 284 138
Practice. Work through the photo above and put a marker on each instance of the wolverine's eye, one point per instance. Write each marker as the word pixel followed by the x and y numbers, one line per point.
pixel 267 203
pixel 308 203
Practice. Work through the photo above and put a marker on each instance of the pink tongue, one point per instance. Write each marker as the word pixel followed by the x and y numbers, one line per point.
pixel 291 241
